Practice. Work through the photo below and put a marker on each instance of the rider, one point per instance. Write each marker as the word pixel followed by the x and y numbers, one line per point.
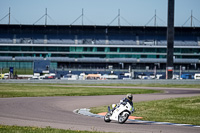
pixel 128 98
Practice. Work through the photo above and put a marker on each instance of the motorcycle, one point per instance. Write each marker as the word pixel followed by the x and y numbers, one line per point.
pixel 120 114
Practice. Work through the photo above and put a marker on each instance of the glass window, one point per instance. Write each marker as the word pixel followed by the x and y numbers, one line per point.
pixel 177 50
pixel 113 49
pixel 25 65
pixel 100 50
pixel 137 50
pixel 143 56
pixel 161 50
pixel 63 49
pixel 3 64
pixel 14 48
pixel 72 49
pixel 87 49
pixel 126 49
pixel 3 48
pixel 151 56
pixel 149 50
pixel 51 48
pixel 38 48
pixel 79 49
pixel 94 49
pixel 53 65
pixel 27 48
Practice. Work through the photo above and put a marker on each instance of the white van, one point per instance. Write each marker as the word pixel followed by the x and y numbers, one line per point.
pixel 197 76
pixel 106 76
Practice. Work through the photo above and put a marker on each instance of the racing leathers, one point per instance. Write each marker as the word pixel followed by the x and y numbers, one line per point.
pixel 124 102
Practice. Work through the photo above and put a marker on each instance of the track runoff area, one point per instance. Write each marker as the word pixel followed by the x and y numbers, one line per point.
pixel 61 111
pixel 134 119
pixel 171 93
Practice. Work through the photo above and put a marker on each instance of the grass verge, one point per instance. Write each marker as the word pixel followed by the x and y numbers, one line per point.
pixel 137 85
pixel 150 85
pixel 37 90
pixel 18 129
pixel 178 110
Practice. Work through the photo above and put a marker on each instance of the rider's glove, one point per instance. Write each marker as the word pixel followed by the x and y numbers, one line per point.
pixel 133 110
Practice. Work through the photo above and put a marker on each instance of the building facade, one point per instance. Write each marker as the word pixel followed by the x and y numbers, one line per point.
pixel 101 47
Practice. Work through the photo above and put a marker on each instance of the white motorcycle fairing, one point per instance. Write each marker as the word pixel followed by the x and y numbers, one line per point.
pixel 120 114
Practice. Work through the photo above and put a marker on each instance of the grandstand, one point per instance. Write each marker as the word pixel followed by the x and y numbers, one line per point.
pixel 97 47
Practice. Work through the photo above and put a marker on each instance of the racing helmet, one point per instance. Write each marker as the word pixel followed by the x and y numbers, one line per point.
pixel 129 97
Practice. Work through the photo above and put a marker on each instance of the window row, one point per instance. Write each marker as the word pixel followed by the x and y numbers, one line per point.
pixel 97 49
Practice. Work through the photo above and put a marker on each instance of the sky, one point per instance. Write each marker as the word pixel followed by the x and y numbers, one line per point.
pixel 99 12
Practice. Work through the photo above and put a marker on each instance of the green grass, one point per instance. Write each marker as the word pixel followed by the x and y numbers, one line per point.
pixel 18 129
pixel 178 110
pixel 42 90
pixel 140 85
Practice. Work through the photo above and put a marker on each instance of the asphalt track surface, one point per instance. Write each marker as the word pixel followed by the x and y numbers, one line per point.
pixel 57 112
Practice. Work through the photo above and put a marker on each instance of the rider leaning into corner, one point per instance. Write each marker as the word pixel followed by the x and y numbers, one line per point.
pixel 128 98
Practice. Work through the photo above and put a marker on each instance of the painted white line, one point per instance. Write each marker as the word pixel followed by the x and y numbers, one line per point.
pixel 163 123
pixel 196 126
pixel 182 125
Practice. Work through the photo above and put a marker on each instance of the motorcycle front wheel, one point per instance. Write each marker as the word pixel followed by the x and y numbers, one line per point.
pixel 107 117
pixel 122 118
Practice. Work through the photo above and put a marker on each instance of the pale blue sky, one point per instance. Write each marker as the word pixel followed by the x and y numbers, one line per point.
pixel 98 12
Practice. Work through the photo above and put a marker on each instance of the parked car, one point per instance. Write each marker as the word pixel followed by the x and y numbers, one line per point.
pixel 158 76
pixel 111 76
pixel 187 76
pixel 152 76
pixel 197 76
pixel 70 77
pixel 142 76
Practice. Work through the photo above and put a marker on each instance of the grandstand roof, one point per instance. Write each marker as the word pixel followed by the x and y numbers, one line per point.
pixel 90 27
